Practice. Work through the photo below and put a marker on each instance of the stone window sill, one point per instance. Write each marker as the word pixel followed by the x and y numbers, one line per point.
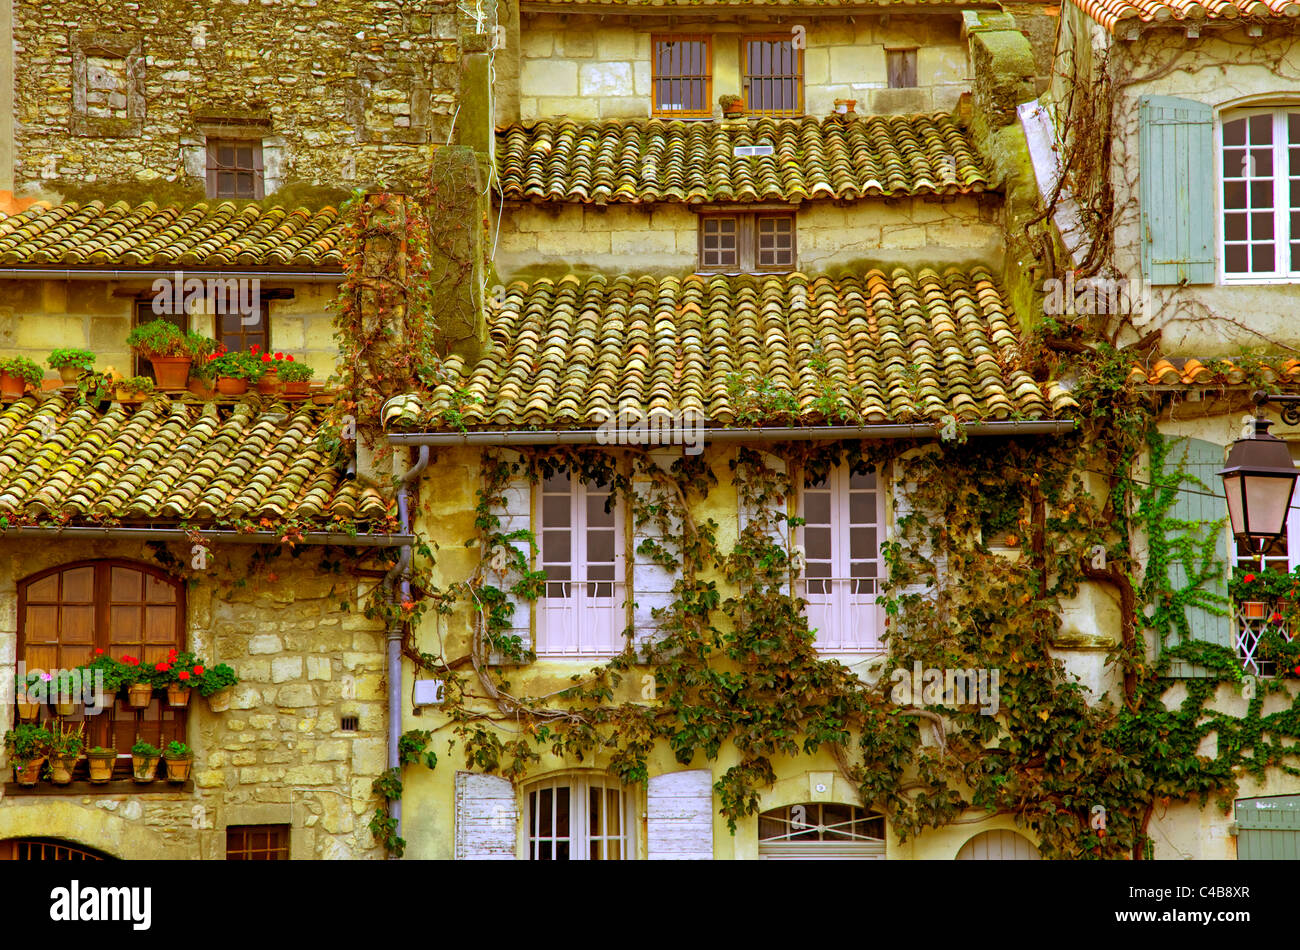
pixel 95 790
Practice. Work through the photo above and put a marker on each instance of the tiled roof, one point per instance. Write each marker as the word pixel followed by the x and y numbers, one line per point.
pixel 1189 371
pixel 738 3
pixel 165 460
pixel 660 160
pixel 216 235
pixel 1110 13
pixel 889 347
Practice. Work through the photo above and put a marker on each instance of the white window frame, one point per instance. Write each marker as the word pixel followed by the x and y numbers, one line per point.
pixel 846 622
pixel 1282 172
pixel 807 819
pixel 584 624
pixel 580 838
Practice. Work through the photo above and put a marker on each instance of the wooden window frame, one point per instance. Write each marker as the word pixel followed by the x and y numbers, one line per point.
pixel 101 639
pixel 257 169
pixel 746 78
pixel 707 111
pixel 889 72
pixel 579 837
pixel 277 849
pixel 747 232
pixel 48 849
pixel 598 622
pixel 1283 175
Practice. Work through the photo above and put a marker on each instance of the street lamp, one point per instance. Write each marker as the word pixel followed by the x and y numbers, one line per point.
pixel 1258 481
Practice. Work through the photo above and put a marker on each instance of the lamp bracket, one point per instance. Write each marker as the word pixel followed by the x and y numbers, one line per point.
pixel 1289 405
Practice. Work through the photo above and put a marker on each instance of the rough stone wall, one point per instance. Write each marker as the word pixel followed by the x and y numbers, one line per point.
pixel 277 756
pixel 36 316
pixel 583 69
pixel 345 92
pixel 663 239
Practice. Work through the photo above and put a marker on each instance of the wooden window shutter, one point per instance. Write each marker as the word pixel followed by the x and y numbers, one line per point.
pixel 651 584
pixel 1200 509
pixel 1268 828
pixel 212 169
pixel 1176 145
pixel 487 817
pixel 515 512
pixel 679 822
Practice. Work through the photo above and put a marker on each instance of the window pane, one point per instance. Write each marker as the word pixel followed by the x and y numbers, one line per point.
pixel 1234 132
pixel 556 546
pixel 597 516
pixel 818 543
pixel 817 507
pixel 555 511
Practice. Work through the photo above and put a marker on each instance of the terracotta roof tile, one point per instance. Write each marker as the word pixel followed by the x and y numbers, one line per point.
pixel 1184 371
pixel 900 347
pixel 1110 13
pixel 632 160
pixel 199 463
pixel 217 235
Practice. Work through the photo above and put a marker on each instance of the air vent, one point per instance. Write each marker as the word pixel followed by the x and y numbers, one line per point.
pixel 350 723
pixel 753 151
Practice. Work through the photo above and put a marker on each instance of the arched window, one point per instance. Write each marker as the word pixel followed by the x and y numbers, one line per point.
pixel 67 613
pixel 579 818
pixel 1000 845
pixel 48 849
pixel 820 830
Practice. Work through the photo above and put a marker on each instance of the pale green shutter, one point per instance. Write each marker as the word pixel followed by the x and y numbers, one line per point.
pixel 1268 829
pixel 1176 141
pixel 1200 504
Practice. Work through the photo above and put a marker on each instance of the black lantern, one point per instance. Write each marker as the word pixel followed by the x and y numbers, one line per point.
pixel 1258 481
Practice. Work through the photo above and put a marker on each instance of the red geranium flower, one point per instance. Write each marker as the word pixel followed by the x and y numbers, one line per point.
pixel 98 652
pixel 198 671
pixel 289 357
pixel 130 660
pixel 254 348
pixel 266 357
pixel 1276 618
pixel 279 356
pixel 162 667
pixel 1248 578
pixel 183 675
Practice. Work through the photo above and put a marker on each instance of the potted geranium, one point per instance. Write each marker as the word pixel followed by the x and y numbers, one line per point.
pixel 296 378
pixel 144 761
pixel 732 106
pixel 28 707
pixel 215 685
pixel 63 693
pixel 139 684
pixel 179 758
pixel 203 372
pixel 16 374
pixel 177 676
pixel 167 348
pixel 65 749
pixel 101 761
pixel 71 363
pixel 234 371
pixel 268 384
pixel 133 389
pixel 27 746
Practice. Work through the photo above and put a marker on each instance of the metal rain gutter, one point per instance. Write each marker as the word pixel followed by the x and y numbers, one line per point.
pixel 53 532
pixel 102 273
pixel 773 434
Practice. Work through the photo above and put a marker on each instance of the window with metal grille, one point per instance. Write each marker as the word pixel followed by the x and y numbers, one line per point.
pixel 235 169
pixel 747 243
pixel 1260 172
pixel 48 849
pixel 67 613
pixel 582 610
pixel 257 843
pixel 350 723
pixel 901 67
pixel 582 818
pixel 843 515
pixel 682 67
pixel 820 829
pixel 773 75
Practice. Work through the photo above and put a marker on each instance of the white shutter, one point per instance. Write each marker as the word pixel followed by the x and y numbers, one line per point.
pixel 487 817
pixel 650 584
pixel 770 514
pixel 516 514
pixel 679 825
pixel 1001 845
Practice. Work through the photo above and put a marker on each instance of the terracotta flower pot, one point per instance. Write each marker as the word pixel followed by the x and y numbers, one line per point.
pixel 269 384
pixel 144 768
pixel 178 770
pixel 66 709
pixel 219 701
pixel 69 374
pixel 101 766
pixel 28 711
pixel 139 695
pixel 202 388
pixel 298 389
pixel 30 773
pixel 733 113
pixel 171 372
pixel 230 386
pixel 178 696
pixel 1253 609
pixel 61 767
pixel 12 387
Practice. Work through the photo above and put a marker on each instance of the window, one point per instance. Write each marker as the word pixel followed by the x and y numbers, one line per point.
pixel 235 168
pixel 1260 169
pixel 107 84
pixel 67 613
pixel 683 80
pixel 773 75
pixel 47 849
pixel 579 819
pixel 820 830
pixel 234 334
pixel 747 243
pixel 843 514
pixel 257 843
pixel 144 314
pixel 901 65
pixel 1250 622
pixel 582 610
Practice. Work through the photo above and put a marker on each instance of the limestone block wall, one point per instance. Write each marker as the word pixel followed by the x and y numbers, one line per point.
pixel 36 316
pixel 343 92
pixel 278 755
pixel 585 69
pixel 663 238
